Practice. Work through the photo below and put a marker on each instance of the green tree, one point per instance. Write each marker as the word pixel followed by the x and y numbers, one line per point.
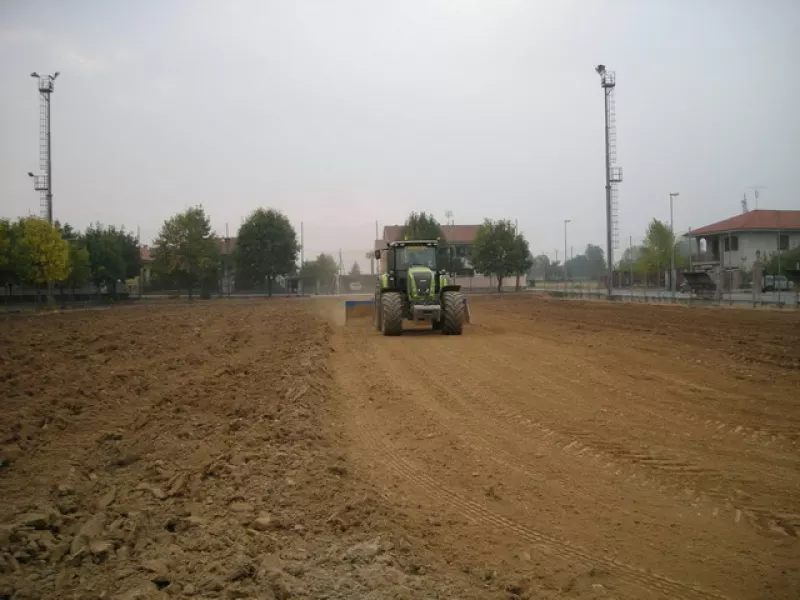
pixel 322 270
pixel 266 247
pixel 540 267
pixel 187 250
pixel 10 232
pixel 80 266
pixel 789 259
pixel 106 257
pixel 43 256
pixel 657 249
pixel 355 270
pixel 595 261
pixel 496 250
pixel 422 226
pixel 520 258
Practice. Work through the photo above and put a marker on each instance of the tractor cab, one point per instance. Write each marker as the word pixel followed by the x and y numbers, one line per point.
pixel 411 267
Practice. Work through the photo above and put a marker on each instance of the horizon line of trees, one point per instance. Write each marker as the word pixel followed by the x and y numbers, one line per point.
pixel 35 253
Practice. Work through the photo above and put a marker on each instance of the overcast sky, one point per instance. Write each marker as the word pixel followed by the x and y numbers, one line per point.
pixel 343 113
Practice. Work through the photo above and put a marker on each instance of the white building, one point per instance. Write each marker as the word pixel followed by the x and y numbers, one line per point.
pixel 745 238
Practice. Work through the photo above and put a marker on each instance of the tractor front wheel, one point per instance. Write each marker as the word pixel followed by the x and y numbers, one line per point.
pixel 392 313
pixel 453 309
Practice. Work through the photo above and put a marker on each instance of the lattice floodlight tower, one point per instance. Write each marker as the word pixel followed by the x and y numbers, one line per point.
pixel 43 182
pixel 608 82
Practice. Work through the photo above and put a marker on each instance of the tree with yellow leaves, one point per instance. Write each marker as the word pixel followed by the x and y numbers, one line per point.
pixel 41 253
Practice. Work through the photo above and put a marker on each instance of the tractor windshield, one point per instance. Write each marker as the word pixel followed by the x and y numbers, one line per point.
pixel 416 256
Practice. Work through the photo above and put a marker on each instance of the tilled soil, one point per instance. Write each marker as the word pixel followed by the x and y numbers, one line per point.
pixel 180 451
pixel 586 449
pixel 557 449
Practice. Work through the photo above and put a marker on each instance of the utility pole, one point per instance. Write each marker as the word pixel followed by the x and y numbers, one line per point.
pixel 566 221
pixel 672 196
pixel 630 246
pixel 301 285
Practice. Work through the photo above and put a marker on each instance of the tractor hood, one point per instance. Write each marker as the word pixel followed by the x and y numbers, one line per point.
pixel 421 283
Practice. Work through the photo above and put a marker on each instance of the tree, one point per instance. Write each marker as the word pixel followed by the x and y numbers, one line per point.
pixel 657 249
pixel 10 232
pixel 540 267
pixel 187 251
pixel 322 270
pixel 789 259
pixel 520 258
pixel 42 255
pixel 105 255
pixel 266 247
pixel 422 226
pixel 80 266
pixel 596 261
pixel 496 250
pixel 355 270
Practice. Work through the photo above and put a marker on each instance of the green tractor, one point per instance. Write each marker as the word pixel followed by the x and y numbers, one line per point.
pixel 414 289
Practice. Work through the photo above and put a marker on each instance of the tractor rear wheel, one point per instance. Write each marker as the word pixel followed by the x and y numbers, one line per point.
pixel 392 313
pixel 453 309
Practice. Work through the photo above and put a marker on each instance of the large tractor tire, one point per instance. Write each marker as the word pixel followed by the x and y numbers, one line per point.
pixel 453 309
pixel 392 313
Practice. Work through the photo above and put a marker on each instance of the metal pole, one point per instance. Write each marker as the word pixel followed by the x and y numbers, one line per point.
pixel 630 245
pixel 565 254
pixel 609 242
pixel 302 258
pixel 49 168
pixel 672 249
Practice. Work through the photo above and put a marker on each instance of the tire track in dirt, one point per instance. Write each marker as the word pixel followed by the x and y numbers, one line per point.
pixel 736 512
pixel 660 469
pixel 368 430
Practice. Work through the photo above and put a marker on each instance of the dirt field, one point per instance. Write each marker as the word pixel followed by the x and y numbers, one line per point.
pixel 261 450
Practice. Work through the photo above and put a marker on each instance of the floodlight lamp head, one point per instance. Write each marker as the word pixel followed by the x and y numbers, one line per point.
pixel 34 74
pixel 57 73
pixel 30 174
pixel 600 69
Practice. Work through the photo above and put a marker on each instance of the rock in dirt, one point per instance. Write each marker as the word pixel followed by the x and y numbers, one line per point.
pixel 106 499
pixel 36 520
pixel 159 569
pixel 241 507
pixel 10 454
pixel 90 529
pixel 264 522
pixel 153 489
pixel 101 549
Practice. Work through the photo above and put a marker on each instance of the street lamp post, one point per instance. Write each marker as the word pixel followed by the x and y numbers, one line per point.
pixel 565 253
pixel 672 248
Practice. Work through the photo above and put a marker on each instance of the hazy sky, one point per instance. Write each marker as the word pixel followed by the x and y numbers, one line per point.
pixel 340 113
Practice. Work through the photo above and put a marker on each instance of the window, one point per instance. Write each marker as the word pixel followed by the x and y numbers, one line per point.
pixel 731 243
pixel 783 241
pixel 416 256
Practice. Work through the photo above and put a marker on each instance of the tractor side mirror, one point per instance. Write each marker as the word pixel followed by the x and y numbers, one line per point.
pixel 378 254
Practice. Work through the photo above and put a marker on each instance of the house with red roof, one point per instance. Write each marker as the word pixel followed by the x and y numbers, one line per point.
pixel 742 240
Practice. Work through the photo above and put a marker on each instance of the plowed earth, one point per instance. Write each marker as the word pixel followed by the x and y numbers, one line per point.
pixel 261 450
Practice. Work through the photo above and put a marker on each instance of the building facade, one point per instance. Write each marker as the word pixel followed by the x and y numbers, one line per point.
pixel 740 241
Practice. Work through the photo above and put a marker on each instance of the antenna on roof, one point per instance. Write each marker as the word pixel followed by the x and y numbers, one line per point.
pixel 744 202
pixel 756 188
pixel 448 214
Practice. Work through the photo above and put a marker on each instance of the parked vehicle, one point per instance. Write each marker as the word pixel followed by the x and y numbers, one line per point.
pixel 773 283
